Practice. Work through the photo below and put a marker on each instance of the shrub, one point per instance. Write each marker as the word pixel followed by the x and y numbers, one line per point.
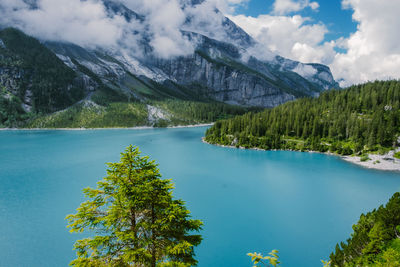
pixel 364 158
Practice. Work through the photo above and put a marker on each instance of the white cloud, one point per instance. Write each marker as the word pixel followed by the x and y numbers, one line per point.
pixel 282 7
pixel 373 51
pixel 88 24
pixel 164 19
pixel 81 22
pixel 205 20
pixel 305 70
pixel 319 53
pixel 288 36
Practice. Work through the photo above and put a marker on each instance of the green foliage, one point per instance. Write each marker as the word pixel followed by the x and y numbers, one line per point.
pixel 39 78
pixel 271 260
pixel 397 155
pixel 95 116
pixel 11 112
pixel 51 82
pixel 359 119
pixel 375 240
pixel 123 114
pixel 364 157
pixel 192 112
pixel 135 219
pixel 104 96
pixel 326 263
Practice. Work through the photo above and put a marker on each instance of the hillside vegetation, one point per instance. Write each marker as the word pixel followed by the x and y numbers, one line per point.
pixel 375 240
pixel 27 65
pixel 120 114
pixel 37 90
pixel 358 119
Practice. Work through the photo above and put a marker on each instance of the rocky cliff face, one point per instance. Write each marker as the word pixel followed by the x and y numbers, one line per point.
pixel 217 70
pixel 224 82
pixel 221 68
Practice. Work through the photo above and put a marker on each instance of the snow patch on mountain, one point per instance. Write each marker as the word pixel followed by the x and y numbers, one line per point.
pixel 67 61
pixel 305 71
pixel 134 66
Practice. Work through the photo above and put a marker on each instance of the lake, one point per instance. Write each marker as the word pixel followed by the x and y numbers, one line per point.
pixel 299 203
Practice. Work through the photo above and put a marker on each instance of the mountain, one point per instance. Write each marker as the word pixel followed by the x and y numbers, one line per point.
pixel 33 78
pixel 221 67
pixel 216 70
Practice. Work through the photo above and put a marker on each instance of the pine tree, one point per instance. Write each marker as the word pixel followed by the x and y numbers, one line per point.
pixel 135 218
pixel 363 116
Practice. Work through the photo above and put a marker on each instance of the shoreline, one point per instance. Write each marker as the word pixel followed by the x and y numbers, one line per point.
pixel 377 162
pixel 111 128
pixel 384 162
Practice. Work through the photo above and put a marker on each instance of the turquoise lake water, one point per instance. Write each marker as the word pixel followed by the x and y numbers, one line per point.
pixel 299 203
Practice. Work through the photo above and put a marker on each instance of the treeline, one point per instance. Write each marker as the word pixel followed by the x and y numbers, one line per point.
pixel 200 112
pixel 11 112
pixel 52 83
pixel 358 119
pixel 121 114
pixel 375 240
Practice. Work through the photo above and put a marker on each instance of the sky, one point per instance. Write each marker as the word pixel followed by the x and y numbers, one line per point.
pixel 358 39
pixel 330 12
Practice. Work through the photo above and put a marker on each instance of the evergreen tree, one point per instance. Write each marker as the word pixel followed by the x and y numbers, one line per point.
pixel 375 240
pixel 135 218
pixel 359 119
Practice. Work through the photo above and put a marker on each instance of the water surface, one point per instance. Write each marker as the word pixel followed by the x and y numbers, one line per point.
pixel 299 203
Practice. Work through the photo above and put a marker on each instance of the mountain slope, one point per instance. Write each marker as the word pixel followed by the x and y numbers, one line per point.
pixel 33 79
pixel 215 71
pixel 375 240
pixel 40 78
pixel 39 90
pixel 44 77
pixel 218 70
pixel 359 119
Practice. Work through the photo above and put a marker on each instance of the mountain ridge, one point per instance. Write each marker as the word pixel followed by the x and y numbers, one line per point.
pixel 223 71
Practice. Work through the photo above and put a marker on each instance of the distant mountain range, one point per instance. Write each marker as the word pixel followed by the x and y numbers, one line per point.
pixel 40 76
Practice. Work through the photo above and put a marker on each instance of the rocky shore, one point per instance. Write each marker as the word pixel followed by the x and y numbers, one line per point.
pixel 386 162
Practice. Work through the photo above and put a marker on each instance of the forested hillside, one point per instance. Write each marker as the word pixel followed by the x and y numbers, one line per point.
pixel 37 90
pixel 375 241
pixel 128 114
pixel 35 75
pixel 355 120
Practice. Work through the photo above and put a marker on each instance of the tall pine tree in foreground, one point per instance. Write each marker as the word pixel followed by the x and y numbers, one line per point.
pixel 134 219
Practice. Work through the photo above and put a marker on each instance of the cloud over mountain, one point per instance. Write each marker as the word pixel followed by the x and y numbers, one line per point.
pixel 90 24
pixel 372 52
pixel 82 22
